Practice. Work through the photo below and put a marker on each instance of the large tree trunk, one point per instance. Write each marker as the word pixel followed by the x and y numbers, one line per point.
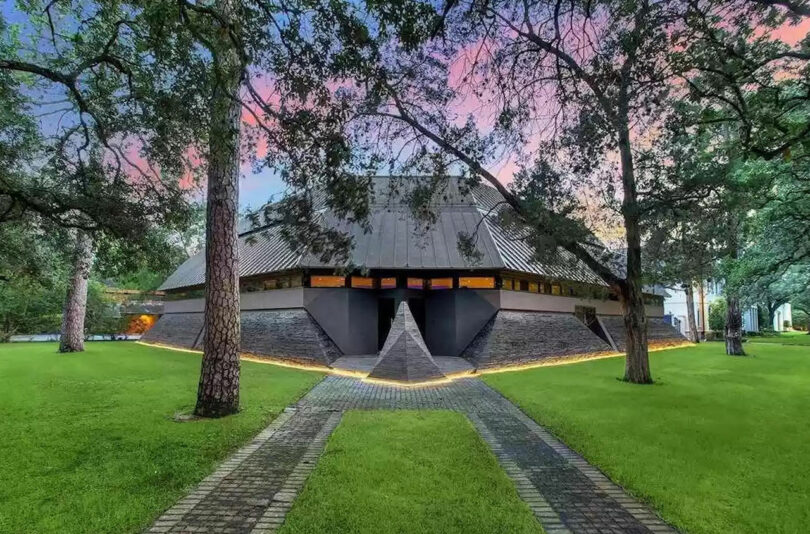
pixel 734 324
pixel 72 335
pixel 637 364
pixel 218 391
pixel 694 336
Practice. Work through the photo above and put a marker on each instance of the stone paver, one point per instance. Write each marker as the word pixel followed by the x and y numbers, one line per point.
pixel 253 490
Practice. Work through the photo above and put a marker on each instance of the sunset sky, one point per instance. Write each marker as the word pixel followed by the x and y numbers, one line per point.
pixel 258 187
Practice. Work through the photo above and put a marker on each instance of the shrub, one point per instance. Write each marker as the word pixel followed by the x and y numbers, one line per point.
pixel 717 315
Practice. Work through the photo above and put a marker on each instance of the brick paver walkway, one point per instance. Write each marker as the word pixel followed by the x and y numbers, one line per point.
pixel 253 490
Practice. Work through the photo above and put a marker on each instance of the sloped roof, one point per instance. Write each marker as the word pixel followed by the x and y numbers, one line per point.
pixel 398 240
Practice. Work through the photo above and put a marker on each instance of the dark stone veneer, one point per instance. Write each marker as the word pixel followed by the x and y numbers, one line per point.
pixel 517 337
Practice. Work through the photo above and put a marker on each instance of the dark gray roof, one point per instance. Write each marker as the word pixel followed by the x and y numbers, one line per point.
pixel 399 241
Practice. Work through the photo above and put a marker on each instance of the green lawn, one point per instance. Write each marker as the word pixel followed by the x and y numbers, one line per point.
pixel 720 444
pixel 88 442
pixel 408 472
pixel 786 338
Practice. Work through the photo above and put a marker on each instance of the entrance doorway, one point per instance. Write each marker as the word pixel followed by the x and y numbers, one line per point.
pixel 417 306
pixel 587 315
pixel 386 309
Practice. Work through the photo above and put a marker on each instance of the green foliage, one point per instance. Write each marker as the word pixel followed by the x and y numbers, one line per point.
pixel 35 267
pixel 717 315
pixel 801 319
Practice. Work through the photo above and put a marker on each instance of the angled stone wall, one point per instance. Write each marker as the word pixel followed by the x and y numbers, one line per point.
pixel 176 329
pixel 287 334
pixel 659 332
pixel 517 337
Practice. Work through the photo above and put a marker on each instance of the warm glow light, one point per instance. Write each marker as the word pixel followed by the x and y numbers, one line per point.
pixel 575 358
pixel 437 382
pixel 327 281
pixel 168 347
pixel 362 282
pixel 441 283
pixel 140 324
pixel 363 375
pixel 477 282
pixel 416 283
pixel 388 283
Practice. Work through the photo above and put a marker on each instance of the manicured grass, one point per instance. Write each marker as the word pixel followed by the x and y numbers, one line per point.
pixel 785 338
pixel 408 472
pixel 88 443
pixel 720 444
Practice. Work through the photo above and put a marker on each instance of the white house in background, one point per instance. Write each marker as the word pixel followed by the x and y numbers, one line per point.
pixel 675 306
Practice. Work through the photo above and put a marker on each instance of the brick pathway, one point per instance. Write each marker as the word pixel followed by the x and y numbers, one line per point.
pixel 253 490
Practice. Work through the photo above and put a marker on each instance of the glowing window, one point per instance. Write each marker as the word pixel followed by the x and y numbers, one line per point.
pixel 416 283
pixel 555 289
pixel 533 287
pixel 441 283
pixel 362 282
pixel 388 283
pixel 507 283
pixel 477 282
pixel 327 281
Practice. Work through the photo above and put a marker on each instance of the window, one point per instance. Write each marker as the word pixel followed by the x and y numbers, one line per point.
pixel 476 282
pixel 441 283
pixel 416 283
pixel 533 287
pixel 362 282
pixel 327 281
pixel 555 289
pixel 249 286
pixel 524 285
pixel 508 283
pixel 388 283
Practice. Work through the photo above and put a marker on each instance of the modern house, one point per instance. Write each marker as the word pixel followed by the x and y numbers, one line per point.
pixel 411 293
pixel 711 291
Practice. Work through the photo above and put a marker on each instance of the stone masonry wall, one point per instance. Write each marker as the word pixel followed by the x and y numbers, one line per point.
pixel 176 329
pixel 659 333
pixel 288 334
pixel 517 337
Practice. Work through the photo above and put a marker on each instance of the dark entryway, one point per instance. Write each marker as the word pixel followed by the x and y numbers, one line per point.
pixel 587 315
pixel 386 311
pixel 417 306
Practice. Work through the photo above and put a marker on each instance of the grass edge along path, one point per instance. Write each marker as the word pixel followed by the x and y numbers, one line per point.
pixel 718 444
pixel 89 444
pixel 409 472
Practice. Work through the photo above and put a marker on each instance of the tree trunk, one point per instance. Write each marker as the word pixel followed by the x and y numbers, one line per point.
pixel 771 315
pixel 694 336
pixel 72 335
pixel 734 327
pixel 637 363
pixel 218 391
